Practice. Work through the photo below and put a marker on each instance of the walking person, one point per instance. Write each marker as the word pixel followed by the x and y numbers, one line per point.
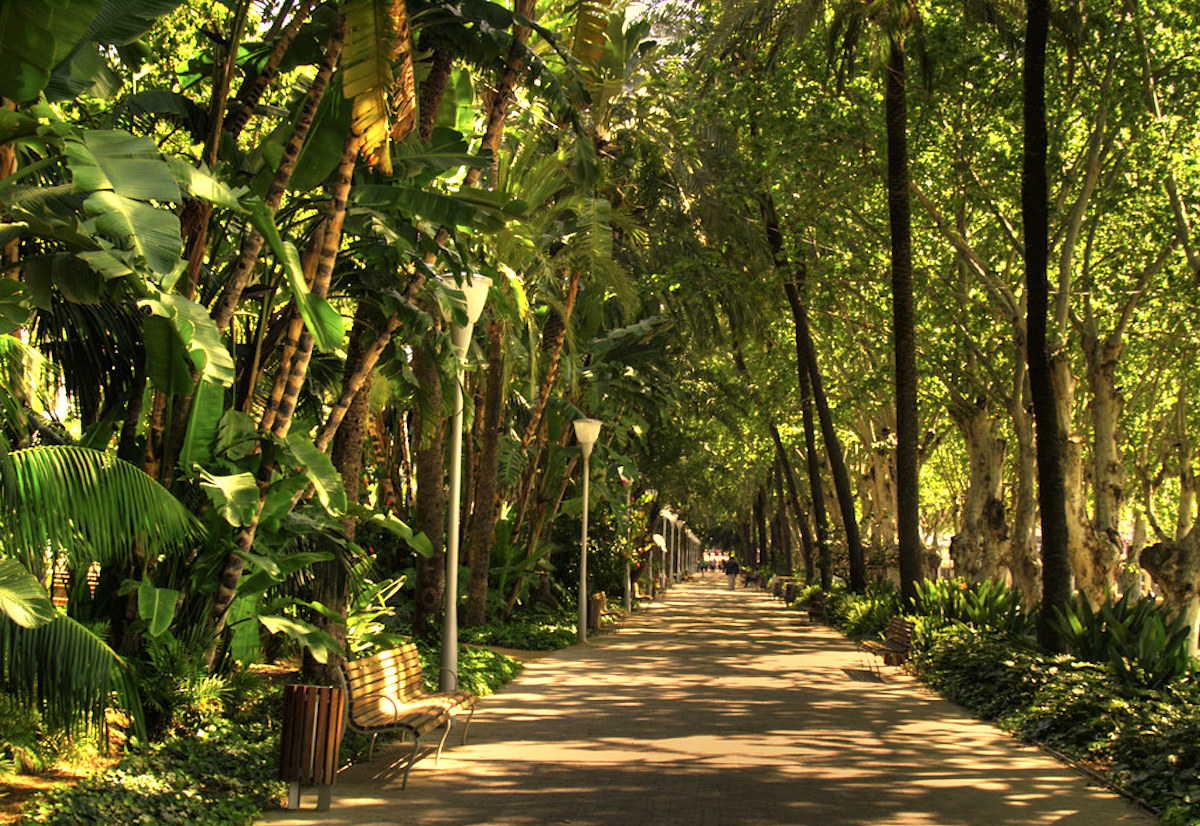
pixel 731 571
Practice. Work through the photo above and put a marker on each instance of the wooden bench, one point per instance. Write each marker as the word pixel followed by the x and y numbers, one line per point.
pixel 384 693
pixel 895 644
pixel 816 607
pixel 598 609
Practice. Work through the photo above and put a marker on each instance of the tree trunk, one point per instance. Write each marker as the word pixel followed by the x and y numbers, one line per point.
pixel 155 463
pixel 807 545
pixel 1023 559
pixel 815 488
pixel 979 547
pixel 441 64
pixel 833 445
pixel 428 457
pixel 908 496
pixel 252 88
pixel 1185 515
pixel 762 546
pixel 483 517
pixel 877 483
pixel 1176 570
pixel 1098 576
pixel 1056 573
pixel 297 372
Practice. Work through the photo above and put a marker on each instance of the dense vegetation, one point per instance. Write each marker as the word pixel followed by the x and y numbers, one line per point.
pixel 795 257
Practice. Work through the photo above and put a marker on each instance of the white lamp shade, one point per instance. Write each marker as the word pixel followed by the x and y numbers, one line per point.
pixel 474 288
pixel 587 431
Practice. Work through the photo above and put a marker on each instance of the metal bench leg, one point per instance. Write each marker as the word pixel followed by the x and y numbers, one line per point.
pixel 412 758
pixel 371 747
pixel 467 725
pixel 445 734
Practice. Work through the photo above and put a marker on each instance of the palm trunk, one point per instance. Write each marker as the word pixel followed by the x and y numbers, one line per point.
pixel 428 457
pixel 297 371
pixel 908 497
pixel 815 487
pixel 155 461
pixel 1056 573
pixel 483 517
pixel 434 86
pixel 252 88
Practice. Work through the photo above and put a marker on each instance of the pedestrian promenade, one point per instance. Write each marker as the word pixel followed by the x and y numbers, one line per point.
pixel 719 708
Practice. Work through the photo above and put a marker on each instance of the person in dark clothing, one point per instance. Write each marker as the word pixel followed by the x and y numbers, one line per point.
pixel 731 571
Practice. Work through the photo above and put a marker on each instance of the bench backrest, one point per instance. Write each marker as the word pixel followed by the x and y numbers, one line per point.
pixel 899 630
pixel 394 673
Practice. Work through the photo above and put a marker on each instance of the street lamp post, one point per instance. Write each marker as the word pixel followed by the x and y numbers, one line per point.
pixel 474 290
pixel 586 432
pixel 680 534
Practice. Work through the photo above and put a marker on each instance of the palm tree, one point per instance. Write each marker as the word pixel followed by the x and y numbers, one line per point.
pixel 1056 571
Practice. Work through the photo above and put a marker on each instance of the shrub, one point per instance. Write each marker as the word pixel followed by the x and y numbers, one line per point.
pixel 986 605
pixel 526 632
pixel 1137 638
pixel 862 617
pixel 221 776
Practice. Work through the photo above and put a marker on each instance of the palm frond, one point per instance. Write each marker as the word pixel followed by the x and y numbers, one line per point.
pixel 63 668
pixel 88 504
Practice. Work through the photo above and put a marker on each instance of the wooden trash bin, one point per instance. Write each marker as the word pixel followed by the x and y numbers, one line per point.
pixel 311 740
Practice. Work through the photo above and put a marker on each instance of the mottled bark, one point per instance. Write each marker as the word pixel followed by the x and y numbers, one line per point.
pixel 1176 571
pixel 979 547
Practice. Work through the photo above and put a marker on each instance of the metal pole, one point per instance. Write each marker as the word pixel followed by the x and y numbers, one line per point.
pixel 583 606
pixel 448 674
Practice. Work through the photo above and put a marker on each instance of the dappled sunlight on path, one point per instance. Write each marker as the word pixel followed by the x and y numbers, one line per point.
pixel 710 708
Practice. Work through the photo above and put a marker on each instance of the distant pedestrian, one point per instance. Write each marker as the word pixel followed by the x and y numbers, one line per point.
pixel 731 571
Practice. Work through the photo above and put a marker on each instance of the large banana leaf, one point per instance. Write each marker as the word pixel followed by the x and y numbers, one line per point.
pixel 123 175
pixel 191 335
pixel 26 47
pixel 376 36
pixel 88 504
pixel 22 597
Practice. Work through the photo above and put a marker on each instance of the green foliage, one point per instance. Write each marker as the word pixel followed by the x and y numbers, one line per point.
pixel 220 776
pixel 866 616
pixel 483 672
pixel 1137 639
pixel 26 745
pixel 986 605
pixel 526 632
pixel 90 504
pixel 178 693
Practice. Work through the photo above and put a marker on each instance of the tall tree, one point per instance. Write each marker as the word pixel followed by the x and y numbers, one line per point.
pixel 1056 572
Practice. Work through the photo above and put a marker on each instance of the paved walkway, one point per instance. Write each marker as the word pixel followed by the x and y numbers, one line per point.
pixel 714 708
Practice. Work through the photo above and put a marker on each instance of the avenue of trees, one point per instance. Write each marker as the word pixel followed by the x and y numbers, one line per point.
pixel 796 257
